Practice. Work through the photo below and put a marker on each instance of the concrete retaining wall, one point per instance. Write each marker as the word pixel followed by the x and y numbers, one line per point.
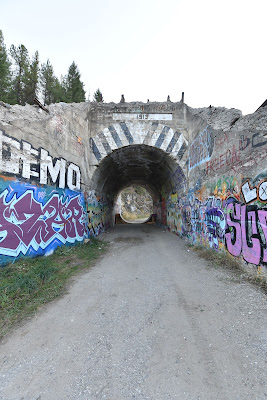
pixel 225 205
pixel 42 205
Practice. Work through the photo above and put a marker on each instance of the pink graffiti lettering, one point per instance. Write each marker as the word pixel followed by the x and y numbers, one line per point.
pixel 247 232
pixel 25 222
pixel 232 238
pixel 263 222
pixel 251 247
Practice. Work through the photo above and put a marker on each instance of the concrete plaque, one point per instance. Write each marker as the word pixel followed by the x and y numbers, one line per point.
pixel 142 117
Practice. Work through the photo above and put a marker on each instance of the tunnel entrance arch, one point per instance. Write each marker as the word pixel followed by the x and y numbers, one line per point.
pixel 150 153
pixel 144 165
pixel 155 134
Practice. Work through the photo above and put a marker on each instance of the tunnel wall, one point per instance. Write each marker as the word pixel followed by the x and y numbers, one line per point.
pixel 225 205
pixel 100 214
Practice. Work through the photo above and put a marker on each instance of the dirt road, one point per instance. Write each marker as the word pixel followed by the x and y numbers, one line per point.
pixel 149 322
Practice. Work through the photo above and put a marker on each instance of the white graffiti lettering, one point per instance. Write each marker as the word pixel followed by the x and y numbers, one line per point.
pixel 21 159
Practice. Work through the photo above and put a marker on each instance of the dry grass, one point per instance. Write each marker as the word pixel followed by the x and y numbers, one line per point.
pixel 220 258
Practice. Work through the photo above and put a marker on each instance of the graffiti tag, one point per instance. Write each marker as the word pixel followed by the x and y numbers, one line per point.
pixel 247 232
pixel 25 222
pixel 201 148
pixel 252 194
pixel 21 159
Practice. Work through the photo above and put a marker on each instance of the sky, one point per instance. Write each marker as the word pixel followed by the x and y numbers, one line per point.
pixel 213 51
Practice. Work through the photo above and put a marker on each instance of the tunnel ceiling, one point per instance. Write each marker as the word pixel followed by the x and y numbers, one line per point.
pixel 136 164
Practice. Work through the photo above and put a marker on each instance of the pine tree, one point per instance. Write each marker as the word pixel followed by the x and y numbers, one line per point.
pixel 32 80
pixel 59 91
pixel 47 82
pixel 5 74
pixel 21 60
pixel 52 90
pixel 73 85
pixel 98 97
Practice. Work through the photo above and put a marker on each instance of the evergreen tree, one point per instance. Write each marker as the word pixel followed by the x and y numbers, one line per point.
pixel 5 74
pixel 21 61
pixel 47 82
pixel 32 80
pixel 52 90
pixel 98 97
pixel 23 84
pixel 73 85
pixel 61 89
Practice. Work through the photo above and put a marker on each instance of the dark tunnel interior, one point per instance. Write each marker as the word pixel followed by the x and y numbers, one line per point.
pixel 143 165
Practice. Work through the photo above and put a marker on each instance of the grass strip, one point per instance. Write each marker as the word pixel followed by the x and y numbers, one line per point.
pixel 29 283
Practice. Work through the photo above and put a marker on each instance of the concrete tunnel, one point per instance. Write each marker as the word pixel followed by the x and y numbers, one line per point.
pixel 143 165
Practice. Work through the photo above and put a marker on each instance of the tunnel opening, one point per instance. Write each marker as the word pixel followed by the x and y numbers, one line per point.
pixel 158 172
pixel 134 205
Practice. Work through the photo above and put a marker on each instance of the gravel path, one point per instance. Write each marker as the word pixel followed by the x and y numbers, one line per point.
pixel 149 321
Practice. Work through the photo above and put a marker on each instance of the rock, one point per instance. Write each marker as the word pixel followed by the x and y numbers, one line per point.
pixel 218 117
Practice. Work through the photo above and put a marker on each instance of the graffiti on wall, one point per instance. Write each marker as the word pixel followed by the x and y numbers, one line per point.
pixel 228 220
pixel 256 193
pixel 221 139
pixel 246 232
pixel 98 214
pixel 21 159
pixel 226 159
pixel 224 187
pixel 201 148
pixel 238 156
pixel 58 124
pixel 77 146
pixel 35 220
pixel 258 139
pixel 178 179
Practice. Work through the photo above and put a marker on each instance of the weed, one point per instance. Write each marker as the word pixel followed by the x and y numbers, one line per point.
pixel 4 272
pixel 25 283
pixel 218 258
pixel 29 283
pixel 45 272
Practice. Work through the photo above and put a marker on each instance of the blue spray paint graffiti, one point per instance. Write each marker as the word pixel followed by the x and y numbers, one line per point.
pixel 35 220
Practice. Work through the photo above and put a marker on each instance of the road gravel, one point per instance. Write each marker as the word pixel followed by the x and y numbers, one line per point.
pixel 150 321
